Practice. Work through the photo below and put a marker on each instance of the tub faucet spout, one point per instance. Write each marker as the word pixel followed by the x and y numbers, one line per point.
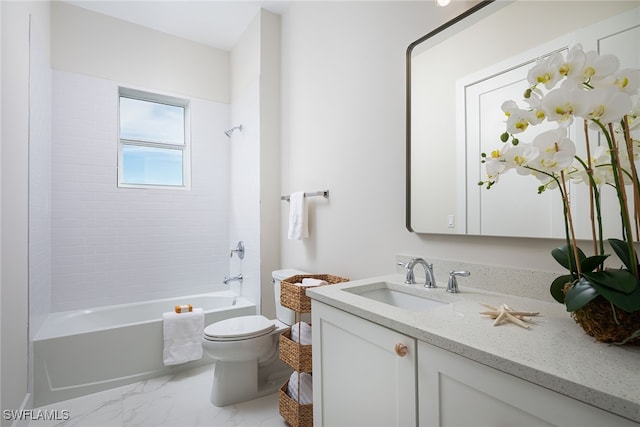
pixel 228 279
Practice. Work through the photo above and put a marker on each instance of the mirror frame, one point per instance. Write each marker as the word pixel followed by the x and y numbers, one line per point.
pixel 412 46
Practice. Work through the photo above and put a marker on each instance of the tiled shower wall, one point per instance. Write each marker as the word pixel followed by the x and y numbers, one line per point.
pixel 113 245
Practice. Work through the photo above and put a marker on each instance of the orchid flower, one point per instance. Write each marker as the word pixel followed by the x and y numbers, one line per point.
pixel 564 103
pixel 556 151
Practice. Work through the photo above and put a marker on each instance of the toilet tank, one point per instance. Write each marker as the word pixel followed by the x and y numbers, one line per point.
pixel 285 315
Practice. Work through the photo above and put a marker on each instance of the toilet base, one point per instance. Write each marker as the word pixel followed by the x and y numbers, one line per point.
pixel 235 382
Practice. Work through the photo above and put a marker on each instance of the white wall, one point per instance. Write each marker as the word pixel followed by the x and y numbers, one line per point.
pixel 14 179
pixel 94 44
pixel 344 129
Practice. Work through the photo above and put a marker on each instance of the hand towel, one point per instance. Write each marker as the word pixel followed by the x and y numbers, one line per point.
pixel 298 227
pixel 301 333
pixel 182 336
pixel 305 396
pixel 309 281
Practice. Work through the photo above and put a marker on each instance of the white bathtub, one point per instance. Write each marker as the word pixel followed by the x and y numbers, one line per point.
pixel 85 351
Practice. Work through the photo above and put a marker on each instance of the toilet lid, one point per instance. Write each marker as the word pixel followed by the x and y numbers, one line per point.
pixel 237 328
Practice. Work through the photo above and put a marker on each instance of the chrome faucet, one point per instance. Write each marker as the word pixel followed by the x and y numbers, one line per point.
pixel 410 278
pixel 452 286
pixel 228 279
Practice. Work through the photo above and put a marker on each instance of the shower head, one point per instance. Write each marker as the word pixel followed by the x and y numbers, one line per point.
pixel 230 131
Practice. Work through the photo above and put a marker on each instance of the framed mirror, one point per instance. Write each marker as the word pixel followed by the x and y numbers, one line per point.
pixel 459 75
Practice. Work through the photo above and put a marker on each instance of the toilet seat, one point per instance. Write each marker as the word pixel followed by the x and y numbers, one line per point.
pixel 239 328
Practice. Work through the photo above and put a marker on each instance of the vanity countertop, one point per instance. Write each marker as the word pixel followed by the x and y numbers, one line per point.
pixel 554 353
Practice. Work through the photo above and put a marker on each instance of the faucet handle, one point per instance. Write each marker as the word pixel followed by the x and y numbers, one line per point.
pixel 409 278
pixel 239 250
pixel 452 285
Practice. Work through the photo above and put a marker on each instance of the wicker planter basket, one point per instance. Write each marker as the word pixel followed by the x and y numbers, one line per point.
pixel 597 320
pixel 295 414
pixel 294 297
pixel 294 354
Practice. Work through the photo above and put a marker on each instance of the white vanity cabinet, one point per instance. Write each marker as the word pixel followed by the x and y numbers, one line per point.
pixel 363 374
pixel 456 391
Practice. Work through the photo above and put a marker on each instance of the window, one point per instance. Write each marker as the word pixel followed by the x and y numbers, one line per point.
pixel 154 140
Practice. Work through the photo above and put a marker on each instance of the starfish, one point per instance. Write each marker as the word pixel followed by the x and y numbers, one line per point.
pixel 507 314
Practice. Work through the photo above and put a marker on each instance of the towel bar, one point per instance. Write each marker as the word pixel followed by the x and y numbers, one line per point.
pixel 323 193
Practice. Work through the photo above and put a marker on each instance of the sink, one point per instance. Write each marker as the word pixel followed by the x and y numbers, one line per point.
pixel 397 296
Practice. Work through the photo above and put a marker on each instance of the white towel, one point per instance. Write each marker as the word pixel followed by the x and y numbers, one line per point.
pixel 182 336
pixel 306 387
pixel 309 282
pixel 301 333
pixel 298 228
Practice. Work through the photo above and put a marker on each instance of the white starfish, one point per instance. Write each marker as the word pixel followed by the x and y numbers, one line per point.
pixel 507 314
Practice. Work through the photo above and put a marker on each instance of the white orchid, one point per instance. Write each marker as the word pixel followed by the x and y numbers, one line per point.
pixel 606 105
pixel 556 151
pixel 573 65
pixel 598 67
pixel 563 89
pixel 563 104
pixel 546 71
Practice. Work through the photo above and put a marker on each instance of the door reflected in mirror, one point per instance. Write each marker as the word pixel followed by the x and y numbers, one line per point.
pixel 458 77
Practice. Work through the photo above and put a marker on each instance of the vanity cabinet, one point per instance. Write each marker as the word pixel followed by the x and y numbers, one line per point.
pixel 368 375
pixel 456 391
pixel 363 374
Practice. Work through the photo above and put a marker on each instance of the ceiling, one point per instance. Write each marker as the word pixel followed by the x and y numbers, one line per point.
pixel 215 23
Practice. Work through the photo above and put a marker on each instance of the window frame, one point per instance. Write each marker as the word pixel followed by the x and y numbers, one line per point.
pixel 124 92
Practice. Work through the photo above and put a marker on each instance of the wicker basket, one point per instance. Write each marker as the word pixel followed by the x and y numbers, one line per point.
pixel 295 414
pixel 294 296
pixel 294 354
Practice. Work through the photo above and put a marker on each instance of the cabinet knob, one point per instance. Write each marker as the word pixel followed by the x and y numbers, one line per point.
pixel 401 349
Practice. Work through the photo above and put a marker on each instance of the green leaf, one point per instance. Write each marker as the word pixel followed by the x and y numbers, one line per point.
pixel 592 262
pixel 627 302
pixel 557 287
pixel 564 256
pixel 580 294
pixel 617 280
pixel 621 248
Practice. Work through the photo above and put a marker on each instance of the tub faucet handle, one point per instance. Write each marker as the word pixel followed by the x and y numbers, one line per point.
pixel 239 250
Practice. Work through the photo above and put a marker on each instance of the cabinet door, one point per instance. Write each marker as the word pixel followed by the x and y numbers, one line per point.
pixel 456 391
pixel 359 378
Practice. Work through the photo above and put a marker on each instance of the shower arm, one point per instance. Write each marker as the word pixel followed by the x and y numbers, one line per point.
pixel 233 129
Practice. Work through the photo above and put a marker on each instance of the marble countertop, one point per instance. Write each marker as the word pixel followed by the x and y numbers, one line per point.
pixel 554 353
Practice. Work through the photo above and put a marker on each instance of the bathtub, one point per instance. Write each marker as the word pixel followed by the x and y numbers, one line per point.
pixel 86 351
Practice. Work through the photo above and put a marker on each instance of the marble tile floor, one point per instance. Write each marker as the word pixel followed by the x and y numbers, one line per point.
pixel 180 400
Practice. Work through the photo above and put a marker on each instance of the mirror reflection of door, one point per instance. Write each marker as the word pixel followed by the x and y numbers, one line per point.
pixel 513 206
pixel 444 167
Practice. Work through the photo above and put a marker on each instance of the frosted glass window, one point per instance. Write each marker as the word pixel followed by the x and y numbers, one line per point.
pixel 154 140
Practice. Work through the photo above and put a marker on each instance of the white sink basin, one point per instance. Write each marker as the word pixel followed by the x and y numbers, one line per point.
pixel 397 296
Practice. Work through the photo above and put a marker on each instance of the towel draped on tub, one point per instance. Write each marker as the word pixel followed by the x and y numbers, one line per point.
pixel 182 336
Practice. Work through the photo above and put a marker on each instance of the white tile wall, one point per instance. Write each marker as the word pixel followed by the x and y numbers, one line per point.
pixel 113 245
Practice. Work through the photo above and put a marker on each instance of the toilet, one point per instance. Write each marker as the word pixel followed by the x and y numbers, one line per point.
pixel 245 350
